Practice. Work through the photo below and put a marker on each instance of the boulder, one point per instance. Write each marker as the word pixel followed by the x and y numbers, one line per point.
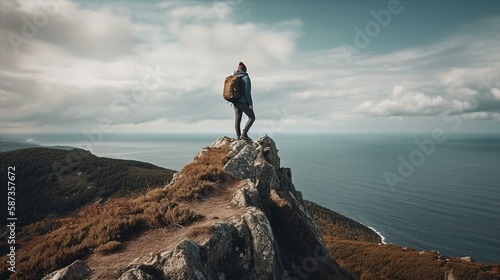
pixel 78 270
pixel 184 262
pixel 136 274
pixel 466 258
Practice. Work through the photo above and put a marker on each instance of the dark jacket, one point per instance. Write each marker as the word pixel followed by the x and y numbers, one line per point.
pixel 246 97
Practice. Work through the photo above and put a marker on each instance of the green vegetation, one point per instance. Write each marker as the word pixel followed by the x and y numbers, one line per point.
pixel 334 224
pixel 102 227
pixel 52 182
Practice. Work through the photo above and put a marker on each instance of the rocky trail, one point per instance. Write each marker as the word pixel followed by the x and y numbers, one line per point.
pixel 215 208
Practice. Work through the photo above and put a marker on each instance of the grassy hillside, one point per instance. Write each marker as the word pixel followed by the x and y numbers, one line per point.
pixel 102 227
pixel 358 250
pixel 46 188
pixel 334 224
pixel 14 143
pixel 51 182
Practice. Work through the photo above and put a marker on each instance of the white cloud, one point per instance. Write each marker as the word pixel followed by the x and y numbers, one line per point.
pixel 495 92
pixel 318 94
pixel 87 62
pixel 100 35
pixel 482 116
pixel 403 102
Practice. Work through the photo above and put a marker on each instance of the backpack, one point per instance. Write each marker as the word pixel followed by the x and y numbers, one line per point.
pixel 232 88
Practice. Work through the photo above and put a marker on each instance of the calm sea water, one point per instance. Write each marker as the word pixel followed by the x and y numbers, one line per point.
pixel 450 202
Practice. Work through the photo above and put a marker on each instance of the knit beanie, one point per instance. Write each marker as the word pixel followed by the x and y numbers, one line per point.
pixel 242 67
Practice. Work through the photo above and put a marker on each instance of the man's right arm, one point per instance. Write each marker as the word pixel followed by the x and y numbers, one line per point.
pixel 248 90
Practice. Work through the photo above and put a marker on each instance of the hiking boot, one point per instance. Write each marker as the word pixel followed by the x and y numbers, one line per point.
pixel 245 137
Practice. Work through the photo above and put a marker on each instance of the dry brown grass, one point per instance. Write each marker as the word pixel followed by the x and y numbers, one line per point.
pixel 101 227
pixel 368 260
pixel 202 176
pixel 200 231
pixel 361 254
pixel 335 224
pixel 109 248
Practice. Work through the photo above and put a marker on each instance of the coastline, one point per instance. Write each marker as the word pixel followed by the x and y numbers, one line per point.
pixel 377 232
pixel 175 151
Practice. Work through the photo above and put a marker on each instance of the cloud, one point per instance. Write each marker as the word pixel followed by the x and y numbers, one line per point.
pixel 496 93
pixel 473 90
pixel 403 102
pixel 88 63
pixel 160 67
pixel 66 27
pixel 482 116
pixel 458 73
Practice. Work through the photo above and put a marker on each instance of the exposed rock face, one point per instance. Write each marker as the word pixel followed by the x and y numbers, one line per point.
pixel 275 237
pixel 466 258
pixel 76 271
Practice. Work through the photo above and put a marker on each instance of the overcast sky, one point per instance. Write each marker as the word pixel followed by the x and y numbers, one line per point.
pixel 322 66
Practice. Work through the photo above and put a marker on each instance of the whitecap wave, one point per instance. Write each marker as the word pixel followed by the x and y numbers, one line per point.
pixel 379 234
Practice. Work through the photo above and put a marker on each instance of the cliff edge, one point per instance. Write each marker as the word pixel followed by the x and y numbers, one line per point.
pixel 255 225
pixel 231 213
pixel 273 238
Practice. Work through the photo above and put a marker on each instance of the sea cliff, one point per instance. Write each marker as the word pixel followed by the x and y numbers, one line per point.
pixel 231 213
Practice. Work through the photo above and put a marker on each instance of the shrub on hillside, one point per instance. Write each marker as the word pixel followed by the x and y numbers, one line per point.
pixel 109 247
pixel 358 250
pixel 202 176
pixel 100 227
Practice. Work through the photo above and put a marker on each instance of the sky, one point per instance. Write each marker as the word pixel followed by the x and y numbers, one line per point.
pixel 316 66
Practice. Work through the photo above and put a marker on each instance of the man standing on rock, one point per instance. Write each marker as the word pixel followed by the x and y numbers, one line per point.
pixel 244 104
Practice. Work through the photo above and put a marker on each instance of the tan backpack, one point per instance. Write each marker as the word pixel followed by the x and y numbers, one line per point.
pixel 232 88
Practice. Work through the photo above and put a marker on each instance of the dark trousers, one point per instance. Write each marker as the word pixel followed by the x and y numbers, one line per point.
pixel 239 109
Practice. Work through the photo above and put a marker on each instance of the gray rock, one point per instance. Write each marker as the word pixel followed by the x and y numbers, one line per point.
pixel 247 196
pixel 78 270
pixel 184 262
pixel 466 258
pixel 221 142
pixel 241 165
pixel 276 237
pixel 226 254
pixel 236 146
pixel 136 274
pixel 270 150
pixel 449 275
pixel 261 233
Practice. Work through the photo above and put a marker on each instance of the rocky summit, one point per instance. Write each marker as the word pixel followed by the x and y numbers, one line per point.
pixel 231 213
pixel 269 234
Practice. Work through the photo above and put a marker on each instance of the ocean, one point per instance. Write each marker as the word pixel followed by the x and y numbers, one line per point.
pixel 415 190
